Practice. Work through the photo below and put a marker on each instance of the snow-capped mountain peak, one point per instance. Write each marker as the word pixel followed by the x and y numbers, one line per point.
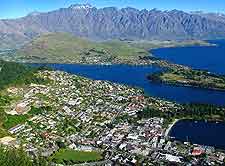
pixel 81 6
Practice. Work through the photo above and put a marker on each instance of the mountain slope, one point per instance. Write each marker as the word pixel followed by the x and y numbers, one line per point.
pixel 65 48
pixel 112 23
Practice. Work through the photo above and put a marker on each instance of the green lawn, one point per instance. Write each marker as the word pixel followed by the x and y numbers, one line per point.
pixel 76 156
pixel 13 120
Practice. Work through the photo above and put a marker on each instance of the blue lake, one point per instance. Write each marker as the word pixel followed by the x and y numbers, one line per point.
pixel 207 58
pixel 136 76
pixel 200 132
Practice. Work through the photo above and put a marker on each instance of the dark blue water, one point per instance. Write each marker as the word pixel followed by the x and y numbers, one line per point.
pixel 206 58
pixel 136 76
pixel 203 133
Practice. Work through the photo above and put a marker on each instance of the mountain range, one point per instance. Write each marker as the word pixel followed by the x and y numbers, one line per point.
pixel 113 23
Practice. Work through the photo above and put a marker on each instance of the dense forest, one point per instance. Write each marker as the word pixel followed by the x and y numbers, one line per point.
pixel 15 73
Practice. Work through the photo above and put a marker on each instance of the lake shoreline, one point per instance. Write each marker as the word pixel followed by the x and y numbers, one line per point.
pixel 187 85
pixel 166 134
pixel 136 76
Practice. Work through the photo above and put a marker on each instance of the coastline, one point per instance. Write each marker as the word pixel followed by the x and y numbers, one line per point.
pixel 188 85
pixel 170 127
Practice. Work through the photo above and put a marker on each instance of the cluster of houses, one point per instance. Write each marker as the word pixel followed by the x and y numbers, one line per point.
pixel 84 116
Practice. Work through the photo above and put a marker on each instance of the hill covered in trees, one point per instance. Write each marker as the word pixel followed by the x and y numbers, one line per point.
pixel 16 73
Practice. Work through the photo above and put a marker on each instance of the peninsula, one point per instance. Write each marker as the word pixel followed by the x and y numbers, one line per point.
pixel 190 77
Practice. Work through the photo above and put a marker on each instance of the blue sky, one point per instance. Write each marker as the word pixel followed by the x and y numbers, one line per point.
pixel 18 8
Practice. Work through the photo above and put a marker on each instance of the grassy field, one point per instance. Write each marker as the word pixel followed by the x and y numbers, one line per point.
pixel 76 156
pixel 172 77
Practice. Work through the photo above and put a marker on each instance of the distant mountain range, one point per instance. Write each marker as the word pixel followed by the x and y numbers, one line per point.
pixel 112 23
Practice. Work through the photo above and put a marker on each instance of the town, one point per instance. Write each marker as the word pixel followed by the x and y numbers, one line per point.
pixel 74 114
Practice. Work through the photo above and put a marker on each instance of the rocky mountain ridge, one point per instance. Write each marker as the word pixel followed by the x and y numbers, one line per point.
pixel 113 23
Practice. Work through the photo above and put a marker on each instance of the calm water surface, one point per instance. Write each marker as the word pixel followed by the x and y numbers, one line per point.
pixel 200 132
pixel 205 58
